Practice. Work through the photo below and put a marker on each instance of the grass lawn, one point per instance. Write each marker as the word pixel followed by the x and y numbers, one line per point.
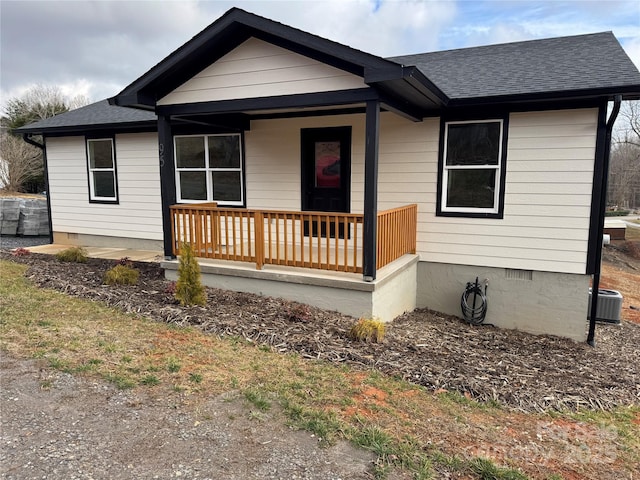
pixel 408 427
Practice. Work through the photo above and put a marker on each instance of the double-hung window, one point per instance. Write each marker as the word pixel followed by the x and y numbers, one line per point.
pixel 101 164
pixel 209 169
pixel 472 169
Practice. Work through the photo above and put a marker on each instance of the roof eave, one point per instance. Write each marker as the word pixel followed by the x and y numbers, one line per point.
pixel 628 92
pixel 147 125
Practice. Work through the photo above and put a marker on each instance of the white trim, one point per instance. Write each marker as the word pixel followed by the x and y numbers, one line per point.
pixel 497 168
pixel 92 170
pixel 208 170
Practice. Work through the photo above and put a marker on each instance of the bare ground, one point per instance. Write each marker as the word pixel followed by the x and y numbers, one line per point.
pixel 77 428
pixel 523 372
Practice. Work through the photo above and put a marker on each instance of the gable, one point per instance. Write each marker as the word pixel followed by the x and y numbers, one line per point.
pixel 259 69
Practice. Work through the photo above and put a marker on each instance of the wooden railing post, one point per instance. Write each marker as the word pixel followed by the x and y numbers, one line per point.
pixel 258 238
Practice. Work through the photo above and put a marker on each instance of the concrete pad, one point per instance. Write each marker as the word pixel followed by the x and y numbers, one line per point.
pixel 105 253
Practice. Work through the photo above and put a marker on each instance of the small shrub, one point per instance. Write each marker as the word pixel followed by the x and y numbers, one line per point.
pixel 367 330
pixel 189 289
pixel 73 254
pixel 21 252
pixel 125 262
pixel 171 288
pixel 297 312
pixel 121 275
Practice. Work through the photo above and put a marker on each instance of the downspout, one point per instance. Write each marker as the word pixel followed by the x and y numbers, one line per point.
pixel 617 99
pixel 27 138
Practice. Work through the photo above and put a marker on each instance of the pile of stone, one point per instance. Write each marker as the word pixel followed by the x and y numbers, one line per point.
pixel 24 216
pixel 9 215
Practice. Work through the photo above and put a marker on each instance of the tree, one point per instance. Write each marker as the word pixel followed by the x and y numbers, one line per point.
pixel 21 164
pixel 624 168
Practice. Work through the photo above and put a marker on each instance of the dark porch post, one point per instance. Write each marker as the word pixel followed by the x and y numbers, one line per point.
pixel 369 248
pixel 167 179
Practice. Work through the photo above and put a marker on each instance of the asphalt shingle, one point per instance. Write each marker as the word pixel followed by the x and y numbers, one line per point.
pixel 579 62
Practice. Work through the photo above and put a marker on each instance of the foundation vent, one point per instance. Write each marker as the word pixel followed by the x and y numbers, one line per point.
pixel 514 274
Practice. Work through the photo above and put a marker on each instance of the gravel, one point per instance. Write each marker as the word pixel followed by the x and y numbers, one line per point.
pixel 9 242
pixel 57 426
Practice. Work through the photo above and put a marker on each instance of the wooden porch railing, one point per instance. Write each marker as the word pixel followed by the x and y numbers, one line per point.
pixel 321 240
pixel 397 230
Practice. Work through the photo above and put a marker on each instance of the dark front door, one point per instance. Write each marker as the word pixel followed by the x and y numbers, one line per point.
pixel 326 173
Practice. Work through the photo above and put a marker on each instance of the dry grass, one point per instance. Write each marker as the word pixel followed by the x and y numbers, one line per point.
pixel 407 427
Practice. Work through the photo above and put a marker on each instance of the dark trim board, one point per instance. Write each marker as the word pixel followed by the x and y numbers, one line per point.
pixel 370 221
pixel 596 191
pixel 104 129
pixel 303 100
pixel 167 180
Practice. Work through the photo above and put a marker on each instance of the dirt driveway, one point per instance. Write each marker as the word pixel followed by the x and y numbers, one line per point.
pixel 59 426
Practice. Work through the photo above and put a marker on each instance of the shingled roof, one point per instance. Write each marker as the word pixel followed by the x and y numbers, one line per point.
pixel 99 115
pixel 555 65
pixel 576 67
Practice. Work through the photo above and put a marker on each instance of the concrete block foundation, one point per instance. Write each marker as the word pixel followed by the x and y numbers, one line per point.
pixel 530 301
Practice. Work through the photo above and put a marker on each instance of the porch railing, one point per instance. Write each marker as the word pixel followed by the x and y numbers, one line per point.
pixel 320 240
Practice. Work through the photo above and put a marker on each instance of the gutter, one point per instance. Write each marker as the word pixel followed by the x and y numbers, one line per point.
pixel 617 99
pixel 27 138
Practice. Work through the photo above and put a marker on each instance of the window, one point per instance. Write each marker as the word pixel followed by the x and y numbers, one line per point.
pixel 209 169
pixel 101 160
pixel 472 169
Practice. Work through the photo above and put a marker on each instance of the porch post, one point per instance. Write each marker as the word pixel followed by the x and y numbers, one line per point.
pixel 369 247
pixel 167 180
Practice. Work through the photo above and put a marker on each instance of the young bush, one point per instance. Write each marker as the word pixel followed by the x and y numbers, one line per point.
pixel 189 289
pixel 121 275
pixel 73 254
pixel 21 252
pixel 367 330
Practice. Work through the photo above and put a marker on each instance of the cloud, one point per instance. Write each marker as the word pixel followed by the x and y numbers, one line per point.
pixel 100 47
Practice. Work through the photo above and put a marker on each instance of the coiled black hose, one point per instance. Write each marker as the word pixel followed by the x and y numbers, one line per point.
pixel 474 313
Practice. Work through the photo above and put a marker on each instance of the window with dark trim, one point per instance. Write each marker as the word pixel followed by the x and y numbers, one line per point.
pixel 471 177
pixel 101 166
pixel 209 169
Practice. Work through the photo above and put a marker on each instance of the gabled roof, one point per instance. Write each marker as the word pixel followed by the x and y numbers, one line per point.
pixel 236 26
pixel 589 65
pixel 592 66
pixel 96 116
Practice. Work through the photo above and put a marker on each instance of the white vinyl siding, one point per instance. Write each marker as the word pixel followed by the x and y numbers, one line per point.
pixel 549 170
pixel 138 214
pixel 272 156
pixel 260 69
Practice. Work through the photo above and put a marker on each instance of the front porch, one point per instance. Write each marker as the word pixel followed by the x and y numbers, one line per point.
pixel 316 240
pixel 309 257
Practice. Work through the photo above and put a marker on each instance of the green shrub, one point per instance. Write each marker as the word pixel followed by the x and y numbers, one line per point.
pixel 73 254
pixel 121 275
pixel 367 330
pixel 189 289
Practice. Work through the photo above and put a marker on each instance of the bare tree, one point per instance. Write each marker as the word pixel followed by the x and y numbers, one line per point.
pixel 624 169
pixel 21 163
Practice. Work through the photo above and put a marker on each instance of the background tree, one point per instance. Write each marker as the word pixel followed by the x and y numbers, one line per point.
pixel 21 165
pixel 624 169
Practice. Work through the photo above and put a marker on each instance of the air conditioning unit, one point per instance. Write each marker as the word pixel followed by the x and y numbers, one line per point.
pixel 609 306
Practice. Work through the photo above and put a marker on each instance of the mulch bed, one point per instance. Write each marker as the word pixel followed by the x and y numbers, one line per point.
pixel 521 371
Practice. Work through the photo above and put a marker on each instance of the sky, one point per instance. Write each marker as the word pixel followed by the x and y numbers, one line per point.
pixel 96 49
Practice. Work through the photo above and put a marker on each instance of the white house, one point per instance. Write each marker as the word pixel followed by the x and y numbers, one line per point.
pixel 303 168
